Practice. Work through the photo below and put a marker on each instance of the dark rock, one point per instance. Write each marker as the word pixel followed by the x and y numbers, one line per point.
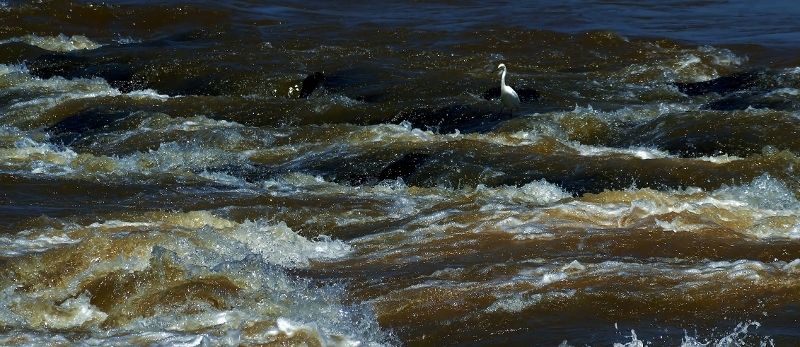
pixel 203 86
pixel 447 120
pixel 117 73
pixel 66 65
pixel 745 80
pixel 403 167
pixel 750 99
pixel 742 90
pixel 425 118
pixel 82 124
pixel 310 84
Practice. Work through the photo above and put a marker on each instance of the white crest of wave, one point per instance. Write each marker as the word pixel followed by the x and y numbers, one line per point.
pixel 214 239
pixel 32 156
pixel 279 244
pixel 516 302
pixel 20 244
pixel 404 131
pixel 6 69
pixel 60 43
pixel 75 312
pixel 290 328
pixel 764 192
pixel 722 56
pixel 636 152
pixel 538 192
pixel 252 256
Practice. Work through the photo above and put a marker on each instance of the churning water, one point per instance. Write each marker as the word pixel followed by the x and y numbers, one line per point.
pixel 337 174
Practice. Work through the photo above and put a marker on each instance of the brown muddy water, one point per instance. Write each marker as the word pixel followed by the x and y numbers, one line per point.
pixel 314 173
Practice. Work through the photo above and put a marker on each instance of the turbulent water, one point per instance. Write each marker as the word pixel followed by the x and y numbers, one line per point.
pixel 338 174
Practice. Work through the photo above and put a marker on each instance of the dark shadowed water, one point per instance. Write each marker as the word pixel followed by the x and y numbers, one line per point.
pixel 337 174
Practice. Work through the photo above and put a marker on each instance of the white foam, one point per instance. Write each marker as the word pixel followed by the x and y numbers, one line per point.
pixel 60 43
pixel 636 152
pixel 42 95
pixel 174 157
pixel 765 193
pixel 518 302
pixel 524 230
pixel 404 132
pixel 73 313
pixel 515 303
pixel 19 244
pixel 13 69
pixel 723 56
pixel 573 267
pixel 739 269
pixel 31 339
pixel 690 60
pixel 148 338
pixel 34 157
pixel 538 192
pixel 278 244
pixel 783 92
pixel 226 179
pixel 292 183
pixel 526 137
pixel 147 94
pixel 549 278
pixel 126 40
pixel 32 154
pixel 679 224
pixel 719 159
pixel 289 328
pixel 117 224
pixel 209 318
pixel 250 256
pixel 763 208
pixel 792 267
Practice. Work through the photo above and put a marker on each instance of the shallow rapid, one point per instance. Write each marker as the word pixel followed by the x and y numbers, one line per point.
pixel 242 173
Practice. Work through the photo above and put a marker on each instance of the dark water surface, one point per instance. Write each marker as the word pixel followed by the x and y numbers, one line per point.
pixel 337 174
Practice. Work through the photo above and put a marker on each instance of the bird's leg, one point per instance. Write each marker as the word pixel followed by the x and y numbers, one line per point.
pixel 501 111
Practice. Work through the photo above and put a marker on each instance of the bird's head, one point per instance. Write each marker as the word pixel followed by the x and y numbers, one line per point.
pixel 500 68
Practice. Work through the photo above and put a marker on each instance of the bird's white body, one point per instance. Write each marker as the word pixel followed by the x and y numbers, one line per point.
pixel 508 96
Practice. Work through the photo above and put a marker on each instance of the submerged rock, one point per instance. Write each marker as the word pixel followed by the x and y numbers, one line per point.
pixel 723 85
pixel 119 73
pixel 742 90
pixel 83 124
pixel 250 172
pixel 460 118
pixel 253 172
pixel 403 167
pixel 310 83
pixel 709 133
pixel 136 66
pixel 752 99
pixel 355 84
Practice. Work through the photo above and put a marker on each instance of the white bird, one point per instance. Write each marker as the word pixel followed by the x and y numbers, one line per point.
pixel 508 96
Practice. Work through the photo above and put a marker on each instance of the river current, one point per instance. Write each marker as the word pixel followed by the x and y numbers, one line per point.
pixel 311 173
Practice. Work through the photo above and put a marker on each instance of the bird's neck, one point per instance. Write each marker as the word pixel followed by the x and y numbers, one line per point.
pixel 503 79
